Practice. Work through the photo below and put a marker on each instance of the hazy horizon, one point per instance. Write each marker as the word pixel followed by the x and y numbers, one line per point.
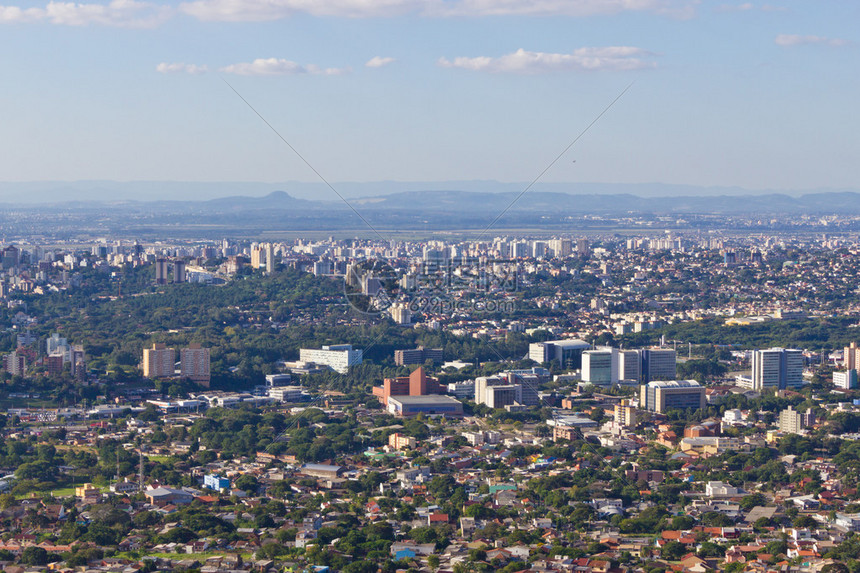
pixel 142 190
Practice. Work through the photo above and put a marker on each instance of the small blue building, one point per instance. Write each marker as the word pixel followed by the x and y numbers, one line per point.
pixel 404 554
pixel 216 482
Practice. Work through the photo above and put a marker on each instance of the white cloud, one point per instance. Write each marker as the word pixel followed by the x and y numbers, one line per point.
pixel 16 14
pixel 179 68
pixel 316 70
pixel 617 58
pixel 749 6
pixel 235 10
pixel 745 7
pixel 279 67
pixel 120 13
pixel 681 8
pixel 260 10
pixel 378 62
pixel 263 10
pixel 798 40
pixel 141 13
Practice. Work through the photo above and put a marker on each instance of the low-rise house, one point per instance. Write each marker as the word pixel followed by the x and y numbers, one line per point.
pixel 164 496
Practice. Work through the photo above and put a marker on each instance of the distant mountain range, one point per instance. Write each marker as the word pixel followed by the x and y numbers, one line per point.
pixel 52 192
pixel 463 202
pixel 425 211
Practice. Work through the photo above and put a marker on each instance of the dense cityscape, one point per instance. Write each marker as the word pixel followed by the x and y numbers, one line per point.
pixel 677 400
pixel 429 286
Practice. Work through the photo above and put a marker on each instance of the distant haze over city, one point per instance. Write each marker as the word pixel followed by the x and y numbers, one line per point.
pixel 35 192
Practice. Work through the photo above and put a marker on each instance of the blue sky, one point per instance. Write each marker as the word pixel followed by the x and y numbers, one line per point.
pixel 757 95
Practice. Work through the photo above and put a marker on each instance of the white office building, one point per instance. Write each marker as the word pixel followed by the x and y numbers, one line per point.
pixel 600 366
pixel 338 357
pixel 462 390
pixel 777 368
pixel 733 416
pixel 847 379
pixel 658 364
pixel 288 393
pixel 721 489
pixel 629 365
pixel 848 521
pixel 483 383
pixel 662 396
pixel 508 389
pixel 567 353
pixel 274 380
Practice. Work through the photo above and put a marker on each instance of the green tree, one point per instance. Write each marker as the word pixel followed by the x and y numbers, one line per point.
pixel 34 556
pixel 673 551
pixel 247 483
pixel 753 500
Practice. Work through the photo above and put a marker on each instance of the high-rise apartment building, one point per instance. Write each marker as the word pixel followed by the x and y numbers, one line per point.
pixel 258 254
pixel 15 364
pixel 179 271
pixel 194 364
pixel 582 246
pixel 790 421
pixel 519 249
pixel 851 357
pixel 10 257
pixel 625 414
pixel 58 346
pixel 159 361
pixel 270 258
pixel 53 364
pixel 400 313
pixel 78 362
pixel 560 248
pixel 323 267
pixel 161 271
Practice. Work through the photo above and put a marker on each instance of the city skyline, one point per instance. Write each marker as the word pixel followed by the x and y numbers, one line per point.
pixel 726 94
